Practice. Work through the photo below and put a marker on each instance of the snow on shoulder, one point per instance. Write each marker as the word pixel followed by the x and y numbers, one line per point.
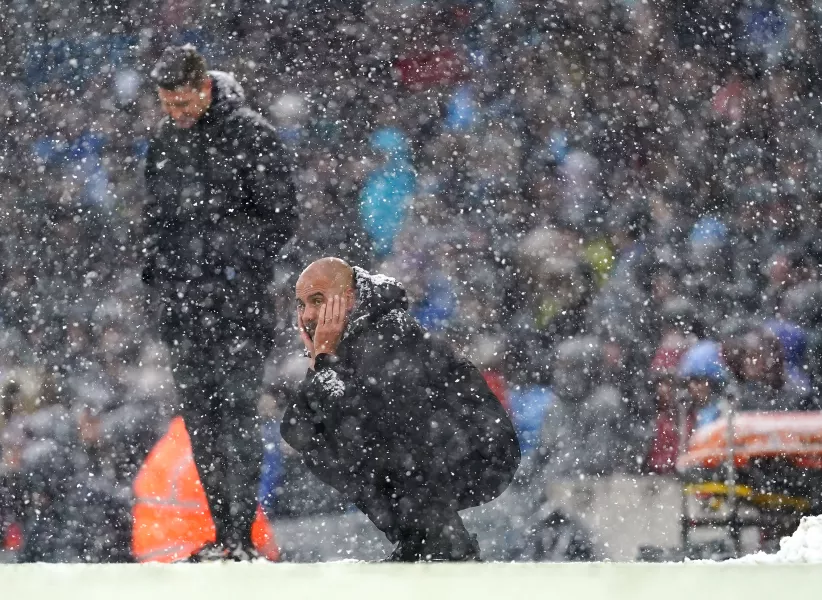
pixel 381 280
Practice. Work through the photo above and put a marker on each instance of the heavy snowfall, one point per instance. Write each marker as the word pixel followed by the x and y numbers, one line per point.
pixel 611 208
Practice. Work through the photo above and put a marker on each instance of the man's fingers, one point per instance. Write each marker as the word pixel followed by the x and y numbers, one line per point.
pixel 337 310
pixel 321 318
pixel 341 314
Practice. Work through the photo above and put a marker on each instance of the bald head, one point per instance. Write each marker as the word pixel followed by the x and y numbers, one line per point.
pixel 319 283
pixel 330 268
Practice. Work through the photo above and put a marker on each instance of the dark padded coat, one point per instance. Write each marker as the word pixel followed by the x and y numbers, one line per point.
pixel 397 422
pixel 221 205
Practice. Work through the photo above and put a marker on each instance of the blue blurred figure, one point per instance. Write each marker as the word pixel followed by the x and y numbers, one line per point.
pixel 271 477
pixel 794 342
pixel 703 370
pixel 82 160
pixel 388 189
pixel 708 235
pixel 439 304
pixel 461 111
pixel 529 405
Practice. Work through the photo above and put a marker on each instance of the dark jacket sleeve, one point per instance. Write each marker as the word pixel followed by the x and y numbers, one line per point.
pixel 328 420
pixel 274 199
pixel 160 220
pixel 304 429
pixel 362 413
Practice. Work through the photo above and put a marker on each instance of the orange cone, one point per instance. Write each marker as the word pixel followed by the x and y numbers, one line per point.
pixel 171 516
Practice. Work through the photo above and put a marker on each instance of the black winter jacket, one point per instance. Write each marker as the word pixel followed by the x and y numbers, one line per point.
pixel 398 423
pixel 221 204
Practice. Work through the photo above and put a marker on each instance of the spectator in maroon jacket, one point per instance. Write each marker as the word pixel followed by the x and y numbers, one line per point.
pixel 668 432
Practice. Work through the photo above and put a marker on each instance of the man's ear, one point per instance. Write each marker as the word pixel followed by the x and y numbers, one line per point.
pixel 206 87
pixel 350 299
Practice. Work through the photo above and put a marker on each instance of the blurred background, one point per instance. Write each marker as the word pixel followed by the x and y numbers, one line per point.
pixel 611 206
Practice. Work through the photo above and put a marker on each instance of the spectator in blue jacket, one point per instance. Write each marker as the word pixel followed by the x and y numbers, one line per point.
pixel 388 189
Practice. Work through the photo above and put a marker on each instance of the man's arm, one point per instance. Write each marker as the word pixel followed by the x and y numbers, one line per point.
pixel 377 416
pixel 341 422
pixel 272 189
pixel 159 212
pixel 301 428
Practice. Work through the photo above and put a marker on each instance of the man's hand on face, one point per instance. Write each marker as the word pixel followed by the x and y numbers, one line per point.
pixel 306 338
pixel 330 326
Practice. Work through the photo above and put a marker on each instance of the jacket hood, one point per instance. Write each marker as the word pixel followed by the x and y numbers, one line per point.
pixel 377 295
pixel 227 93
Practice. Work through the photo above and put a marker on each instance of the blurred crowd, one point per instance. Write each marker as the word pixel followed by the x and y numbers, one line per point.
pixel 612 206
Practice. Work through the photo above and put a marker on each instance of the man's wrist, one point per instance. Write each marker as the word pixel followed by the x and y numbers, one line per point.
pixel 324 359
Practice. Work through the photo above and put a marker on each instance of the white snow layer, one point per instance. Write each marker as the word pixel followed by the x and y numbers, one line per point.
pixel 346 581
pixel 804 546
pixel 330 383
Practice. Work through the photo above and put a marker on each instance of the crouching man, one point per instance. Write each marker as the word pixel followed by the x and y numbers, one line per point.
pixel 392 418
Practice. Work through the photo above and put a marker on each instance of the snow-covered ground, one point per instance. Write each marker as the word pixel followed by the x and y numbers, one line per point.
pixel 804 546
pixel 355 580
pixel 362 581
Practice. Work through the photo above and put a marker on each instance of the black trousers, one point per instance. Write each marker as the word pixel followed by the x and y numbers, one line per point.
pixel 218 388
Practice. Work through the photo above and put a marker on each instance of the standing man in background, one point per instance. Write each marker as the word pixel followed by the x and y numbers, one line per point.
pixel 221 205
